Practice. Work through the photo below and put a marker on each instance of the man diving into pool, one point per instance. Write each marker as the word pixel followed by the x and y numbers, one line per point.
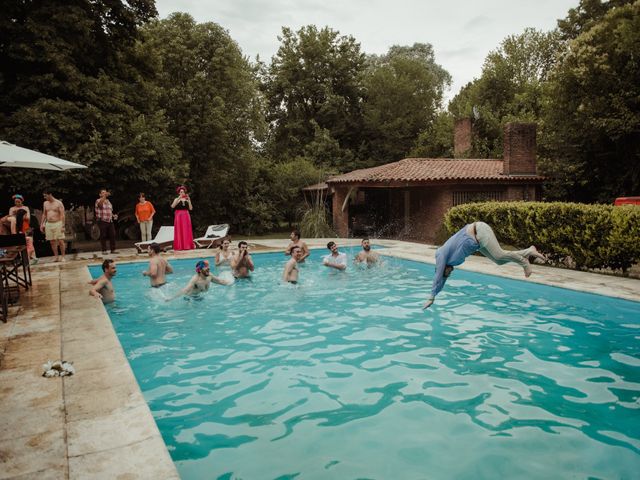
pixel 477 236
pixel 200 282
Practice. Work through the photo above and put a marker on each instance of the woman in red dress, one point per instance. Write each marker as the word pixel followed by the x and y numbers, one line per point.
pixel 182 231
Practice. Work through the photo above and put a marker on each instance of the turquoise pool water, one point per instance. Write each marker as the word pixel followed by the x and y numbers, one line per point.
pixel 345 377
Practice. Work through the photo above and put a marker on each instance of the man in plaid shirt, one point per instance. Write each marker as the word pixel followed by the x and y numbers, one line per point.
pixel 105 217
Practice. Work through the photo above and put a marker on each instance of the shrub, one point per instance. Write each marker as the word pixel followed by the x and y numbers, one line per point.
pixel 593 236
pixel 315 222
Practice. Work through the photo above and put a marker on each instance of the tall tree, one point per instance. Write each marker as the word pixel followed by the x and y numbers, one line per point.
pixel 592 114
pixel 584 16
pixel 510 87
pixel 73 84
pixel 314 86
pixel 437 140
pixel 211 97
pixel 404 90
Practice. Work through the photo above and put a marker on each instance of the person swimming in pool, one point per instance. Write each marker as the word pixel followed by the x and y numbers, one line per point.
pixel 200 282
pixel 102 287
pixel 291 269
pixel 477 236
pixel 158 267
pixel 242 263
pixel 335 259
pixel 367 256
pixel 297 242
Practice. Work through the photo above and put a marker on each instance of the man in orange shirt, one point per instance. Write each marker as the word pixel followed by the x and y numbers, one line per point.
pixel 144 215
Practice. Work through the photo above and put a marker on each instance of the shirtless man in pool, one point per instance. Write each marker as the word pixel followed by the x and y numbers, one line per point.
pixel 242 263
pixel 296 242
pixel 291 271
pixel 102 287
pixel 158 267
pixel 367 256
pixel 200 282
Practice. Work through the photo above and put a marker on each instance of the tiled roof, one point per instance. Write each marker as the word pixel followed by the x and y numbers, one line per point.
pixel 432 170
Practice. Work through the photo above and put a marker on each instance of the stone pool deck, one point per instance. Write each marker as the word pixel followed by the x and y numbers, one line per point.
pixel 96 424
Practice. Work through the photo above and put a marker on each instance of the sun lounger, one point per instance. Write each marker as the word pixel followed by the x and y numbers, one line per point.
pixel 164 238
pixel 213 236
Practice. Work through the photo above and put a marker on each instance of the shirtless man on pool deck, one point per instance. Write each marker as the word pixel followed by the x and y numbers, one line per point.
pixel 53 224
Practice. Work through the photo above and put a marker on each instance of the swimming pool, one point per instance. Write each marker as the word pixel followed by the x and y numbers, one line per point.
pixel 344 376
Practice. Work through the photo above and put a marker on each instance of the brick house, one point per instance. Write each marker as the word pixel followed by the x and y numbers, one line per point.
pixel 409 198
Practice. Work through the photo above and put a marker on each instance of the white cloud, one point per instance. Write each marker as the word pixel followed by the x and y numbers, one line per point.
pixel 462 32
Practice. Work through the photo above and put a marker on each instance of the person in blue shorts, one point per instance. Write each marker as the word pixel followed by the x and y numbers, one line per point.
pixel 471 238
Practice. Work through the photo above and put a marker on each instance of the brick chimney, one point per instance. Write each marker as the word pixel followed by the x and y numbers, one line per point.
pixel 462 137
pixel 519 149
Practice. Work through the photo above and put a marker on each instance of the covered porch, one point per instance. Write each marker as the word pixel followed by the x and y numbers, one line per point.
pixel 412 212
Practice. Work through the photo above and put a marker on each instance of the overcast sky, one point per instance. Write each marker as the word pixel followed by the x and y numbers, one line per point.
pixel 462 32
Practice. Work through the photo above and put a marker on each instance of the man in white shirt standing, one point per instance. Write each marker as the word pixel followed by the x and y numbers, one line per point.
pixel 336 259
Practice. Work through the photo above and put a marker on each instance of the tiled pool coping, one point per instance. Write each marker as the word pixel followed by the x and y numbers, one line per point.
pixel 96 423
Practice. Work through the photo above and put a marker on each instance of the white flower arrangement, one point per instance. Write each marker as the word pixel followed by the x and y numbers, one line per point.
pixel 58 368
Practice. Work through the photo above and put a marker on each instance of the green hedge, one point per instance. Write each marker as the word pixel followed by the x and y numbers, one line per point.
pixel 593 236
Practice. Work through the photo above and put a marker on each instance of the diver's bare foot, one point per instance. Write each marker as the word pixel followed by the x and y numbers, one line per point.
pixel 535 253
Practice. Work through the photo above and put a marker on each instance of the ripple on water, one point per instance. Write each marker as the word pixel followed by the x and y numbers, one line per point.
pixel 345 376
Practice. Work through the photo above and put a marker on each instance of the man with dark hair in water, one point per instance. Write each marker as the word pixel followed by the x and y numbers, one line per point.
pixel 158 266
pixel 291 270
pixel 102 287
pixel 296 242
pixel 367 255
pixel 335 259
pixel 242 263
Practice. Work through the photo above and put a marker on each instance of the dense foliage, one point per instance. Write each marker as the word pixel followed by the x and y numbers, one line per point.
pixel 210 96
pixel 509 89
pixel 75 83
pixel 581 84
pixel 404 90
pixel 589 236
pixel 592 111
pixel 148 103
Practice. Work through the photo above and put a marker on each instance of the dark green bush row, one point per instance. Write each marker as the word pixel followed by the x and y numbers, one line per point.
pixel 593 236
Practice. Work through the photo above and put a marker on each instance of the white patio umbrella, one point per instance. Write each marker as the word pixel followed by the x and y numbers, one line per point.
pixel 18 157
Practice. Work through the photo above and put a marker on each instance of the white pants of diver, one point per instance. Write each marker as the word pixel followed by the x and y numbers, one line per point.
pixel 491 249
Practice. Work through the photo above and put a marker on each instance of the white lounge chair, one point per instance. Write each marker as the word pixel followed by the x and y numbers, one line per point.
pixel 164 238
pixel 213 236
